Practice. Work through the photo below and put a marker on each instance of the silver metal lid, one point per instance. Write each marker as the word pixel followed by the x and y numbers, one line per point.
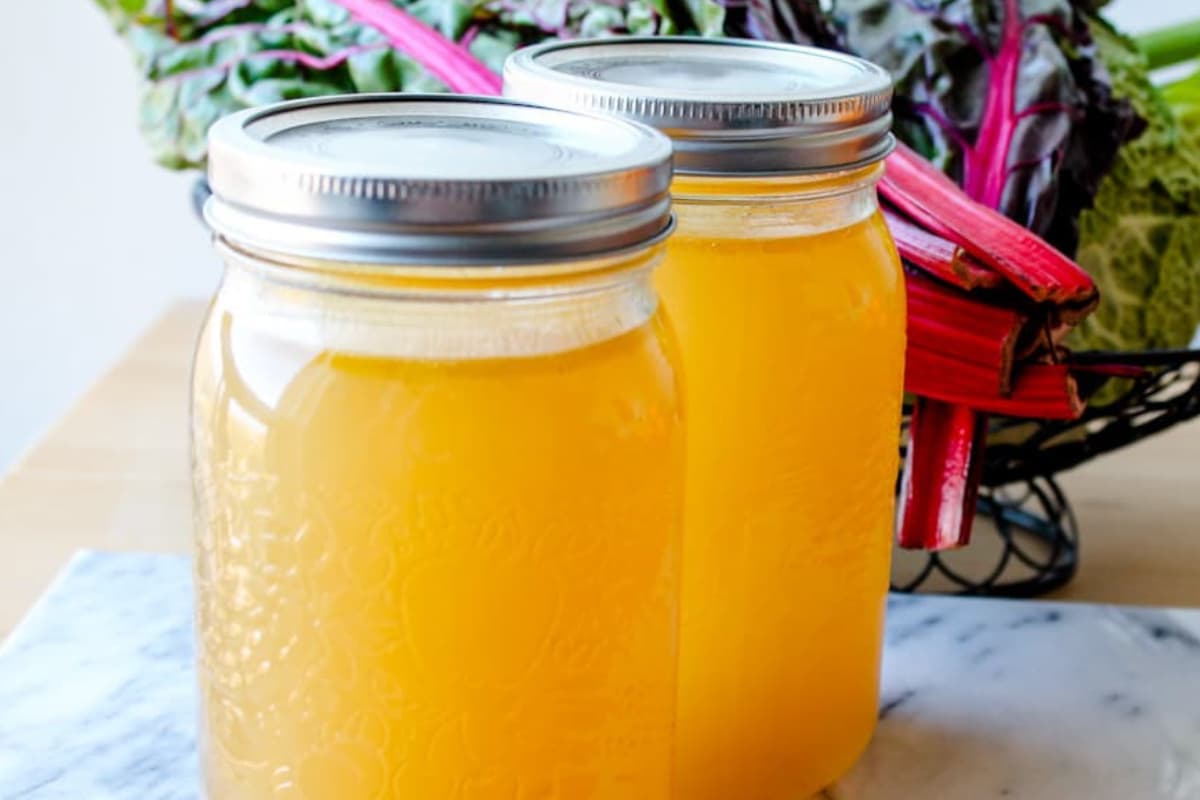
pixel 731 106
pixel 435 179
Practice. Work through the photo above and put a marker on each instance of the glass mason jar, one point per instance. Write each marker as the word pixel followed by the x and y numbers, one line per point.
pixel 788 298
pixel 438 455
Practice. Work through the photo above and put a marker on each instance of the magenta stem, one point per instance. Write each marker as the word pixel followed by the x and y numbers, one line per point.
pixel 449 61
pixel 986 164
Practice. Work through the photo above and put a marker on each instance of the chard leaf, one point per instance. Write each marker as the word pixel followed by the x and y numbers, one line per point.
pixel 451 17
pixel 644 19
pixel 708 17
pixel 204 62
pixel 601 20
pixel 801 22
pixel 1007 96
pixel 323 13
pixel 375 71
pixel 492 48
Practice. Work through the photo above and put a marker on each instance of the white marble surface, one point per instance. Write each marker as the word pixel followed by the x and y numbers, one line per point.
pixel 1035 701
pixel 97 694
pixel 982 698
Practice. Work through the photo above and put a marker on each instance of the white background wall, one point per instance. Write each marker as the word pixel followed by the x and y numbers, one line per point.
pixel 95 240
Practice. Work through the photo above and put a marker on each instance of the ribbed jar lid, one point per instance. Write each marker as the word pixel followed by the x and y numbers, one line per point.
pixel 732 106
pixel 435 179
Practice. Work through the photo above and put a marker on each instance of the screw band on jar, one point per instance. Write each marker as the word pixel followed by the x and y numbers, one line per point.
pixel 417 179
pixel 730 106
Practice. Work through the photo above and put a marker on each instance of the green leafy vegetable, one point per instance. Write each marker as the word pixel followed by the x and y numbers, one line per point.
pixel 1171 45
pixel 201 60
pixel 1141 241
pixel 1184 97
pixel 1027 103
pixel 1076 143
pixel 1006 96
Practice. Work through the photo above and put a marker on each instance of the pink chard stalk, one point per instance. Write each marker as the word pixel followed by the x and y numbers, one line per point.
pixel 941 483
pixel 451 62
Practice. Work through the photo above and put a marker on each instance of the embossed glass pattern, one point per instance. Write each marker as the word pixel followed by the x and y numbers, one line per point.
pixel 787 295
pixel 437 538
pixel 789 304
pixel 437 509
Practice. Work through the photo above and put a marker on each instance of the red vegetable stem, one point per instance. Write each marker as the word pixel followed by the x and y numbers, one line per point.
pixel 931 373
pixel 941 476
pixel 1039 391
pixel 940 257
pixel 932 201
pixel 971 342
pixel 1112 370
pixel 452 63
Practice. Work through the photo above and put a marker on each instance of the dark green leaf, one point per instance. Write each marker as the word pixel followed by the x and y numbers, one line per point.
pixel 493 48
pixel 273 90
pixel 323 12
pixel 375 71
pixel 708 16
pixel 451 17
pixel 414 77
pixel 642 19
pixel 314 40
pixel 600 20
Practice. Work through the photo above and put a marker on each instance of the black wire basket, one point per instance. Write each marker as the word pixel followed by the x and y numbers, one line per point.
pixel 1024 520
